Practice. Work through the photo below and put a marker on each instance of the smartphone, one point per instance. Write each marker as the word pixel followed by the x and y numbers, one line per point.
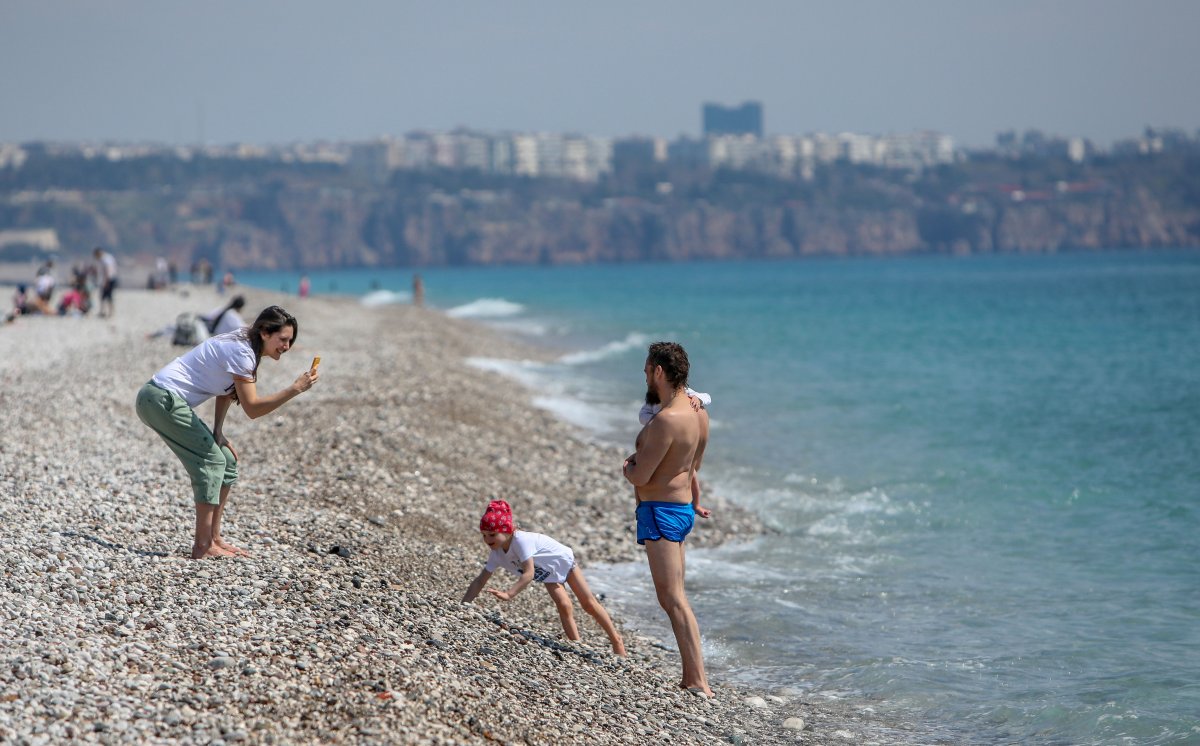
pixel 316 362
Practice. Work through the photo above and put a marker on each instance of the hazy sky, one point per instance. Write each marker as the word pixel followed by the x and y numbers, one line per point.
pixel 267 71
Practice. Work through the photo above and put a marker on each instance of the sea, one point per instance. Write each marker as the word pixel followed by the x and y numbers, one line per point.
pixel 980 475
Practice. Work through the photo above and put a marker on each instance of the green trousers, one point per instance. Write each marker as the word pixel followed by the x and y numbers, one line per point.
pixel 210 466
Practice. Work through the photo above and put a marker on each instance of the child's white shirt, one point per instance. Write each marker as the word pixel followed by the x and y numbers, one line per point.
pixel 552 562
pixel 649 410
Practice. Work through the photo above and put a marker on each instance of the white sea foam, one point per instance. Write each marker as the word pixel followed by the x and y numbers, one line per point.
pixel 632 341
pixel 525 372
pixel 553 395
pixel 486 308
pixel 384 298
pixel 574 411
pixel 526 327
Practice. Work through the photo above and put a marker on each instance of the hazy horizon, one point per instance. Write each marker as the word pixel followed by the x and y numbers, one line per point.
pixel 273 73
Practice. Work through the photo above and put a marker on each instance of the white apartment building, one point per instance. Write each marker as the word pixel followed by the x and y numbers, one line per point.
pixel 12 155
pixel 473 151
pixel 525 155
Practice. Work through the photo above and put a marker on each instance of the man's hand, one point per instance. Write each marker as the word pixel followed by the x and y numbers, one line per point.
pixel 702 512
pixel 502 595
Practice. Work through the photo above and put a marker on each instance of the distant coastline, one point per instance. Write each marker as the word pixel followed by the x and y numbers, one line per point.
pixel 267 214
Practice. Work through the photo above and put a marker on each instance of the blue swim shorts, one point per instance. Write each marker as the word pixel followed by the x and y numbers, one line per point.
pixel 662 520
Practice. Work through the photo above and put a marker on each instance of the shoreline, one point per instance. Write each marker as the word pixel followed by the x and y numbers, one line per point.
pixel 391 457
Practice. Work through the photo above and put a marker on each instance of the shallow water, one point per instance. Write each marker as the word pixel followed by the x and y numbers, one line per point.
pixel 981 472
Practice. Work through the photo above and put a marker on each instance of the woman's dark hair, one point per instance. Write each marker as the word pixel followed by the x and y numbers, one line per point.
pixel 674 362
pixel 271 320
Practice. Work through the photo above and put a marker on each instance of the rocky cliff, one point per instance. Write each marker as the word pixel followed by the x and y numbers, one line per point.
pixel 281 219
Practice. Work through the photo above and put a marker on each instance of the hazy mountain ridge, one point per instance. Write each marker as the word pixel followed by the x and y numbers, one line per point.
pixel 271 215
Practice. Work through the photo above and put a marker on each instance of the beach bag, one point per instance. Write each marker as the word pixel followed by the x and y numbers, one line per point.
pixel 190 330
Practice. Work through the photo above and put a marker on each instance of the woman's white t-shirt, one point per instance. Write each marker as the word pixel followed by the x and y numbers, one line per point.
pixel 209 369
pixel 552 562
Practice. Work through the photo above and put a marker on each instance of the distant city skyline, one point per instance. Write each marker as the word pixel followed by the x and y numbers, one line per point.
pixel 273 72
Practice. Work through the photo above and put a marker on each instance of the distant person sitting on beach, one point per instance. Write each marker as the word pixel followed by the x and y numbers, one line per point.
pixel 74 302
pixel 536 557
pixel 43 290
pixel 20 301
pixel 190 329
pixel 226 318
pixel 105 268
pixel 663 468
pixel 225 367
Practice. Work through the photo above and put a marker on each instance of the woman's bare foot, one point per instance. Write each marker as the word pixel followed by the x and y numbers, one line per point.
pixel 235 551
pixel 210 552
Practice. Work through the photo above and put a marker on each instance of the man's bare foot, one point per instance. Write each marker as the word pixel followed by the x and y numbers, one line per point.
pixel 699 691
pixel 211 552
pixel 236 551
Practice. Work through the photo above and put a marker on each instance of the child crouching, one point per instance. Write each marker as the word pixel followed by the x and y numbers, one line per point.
pixel 536 557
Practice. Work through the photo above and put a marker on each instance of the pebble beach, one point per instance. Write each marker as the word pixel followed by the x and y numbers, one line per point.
pixel 359 502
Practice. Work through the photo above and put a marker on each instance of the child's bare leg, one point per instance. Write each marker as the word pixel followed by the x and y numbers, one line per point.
pixel 566 615
pixel 216 526
pixel 202 545
pixel 592 606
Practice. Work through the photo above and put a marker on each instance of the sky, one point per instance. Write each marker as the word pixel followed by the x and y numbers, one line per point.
pixel 274 72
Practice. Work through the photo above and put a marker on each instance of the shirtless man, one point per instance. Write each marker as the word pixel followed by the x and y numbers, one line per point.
pixel 663 473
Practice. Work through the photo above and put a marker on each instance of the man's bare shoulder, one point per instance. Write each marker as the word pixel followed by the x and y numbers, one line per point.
pixel 657 427
pixel 685 418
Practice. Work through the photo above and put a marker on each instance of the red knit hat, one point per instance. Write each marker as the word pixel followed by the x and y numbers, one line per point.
pixel 498 518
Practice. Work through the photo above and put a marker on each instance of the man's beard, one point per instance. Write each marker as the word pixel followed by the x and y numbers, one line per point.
pixel 652 397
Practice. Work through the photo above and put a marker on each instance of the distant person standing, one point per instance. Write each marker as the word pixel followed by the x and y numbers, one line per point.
pixel 105 268
pixel 162 273
pixel 201 272
pixel 305 286
pixel 418 291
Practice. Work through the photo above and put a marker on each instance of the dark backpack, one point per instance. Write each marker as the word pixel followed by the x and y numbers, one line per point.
pixel 189 330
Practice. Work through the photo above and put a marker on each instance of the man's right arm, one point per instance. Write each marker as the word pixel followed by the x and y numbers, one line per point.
pixel 655 441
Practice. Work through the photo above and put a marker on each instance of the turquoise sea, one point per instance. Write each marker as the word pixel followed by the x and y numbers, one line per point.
pixel 982 474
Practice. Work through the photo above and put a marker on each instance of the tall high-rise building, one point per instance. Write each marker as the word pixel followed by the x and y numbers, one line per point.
pixel 746 119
